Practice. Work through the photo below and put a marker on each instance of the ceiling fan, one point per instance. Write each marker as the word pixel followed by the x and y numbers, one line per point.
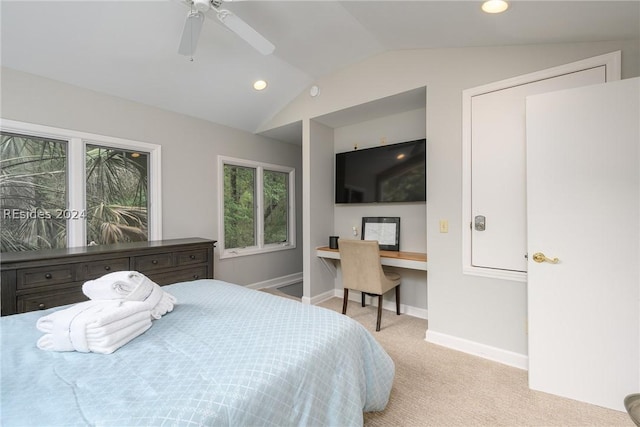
pixel 211 8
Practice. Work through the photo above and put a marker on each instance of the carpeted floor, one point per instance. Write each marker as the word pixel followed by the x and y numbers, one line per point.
pixel 436 386
pixel 274 291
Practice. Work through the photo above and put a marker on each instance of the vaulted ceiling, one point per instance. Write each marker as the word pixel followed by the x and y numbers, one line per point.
pixel 129 48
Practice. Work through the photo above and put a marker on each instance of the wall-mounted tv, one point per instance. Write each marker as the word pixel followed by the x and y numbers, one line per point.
pixel 386 174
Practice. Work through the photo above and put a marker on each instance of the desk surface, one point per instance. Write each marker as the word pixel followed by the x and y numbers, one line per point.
pixel 412 260
pixel 411 256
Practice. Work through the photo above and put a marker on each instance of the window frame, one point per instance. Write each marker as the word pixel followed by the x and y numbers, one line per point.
pixel 76 175
pixel 260 246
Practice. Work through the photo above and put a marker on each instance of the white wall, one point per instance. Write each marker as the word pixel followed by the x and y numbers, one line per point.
pixel 486 312
pixel 189 163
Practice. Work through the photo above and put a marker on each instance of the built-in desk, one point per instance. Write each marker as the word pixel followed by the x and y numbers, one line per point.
pixel 411 260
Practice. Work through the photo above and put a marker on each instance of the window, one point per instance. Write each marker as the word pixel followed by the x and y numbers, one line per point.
pixel 116 194
pixel 33 190
pixel 61 188
pixel 257 210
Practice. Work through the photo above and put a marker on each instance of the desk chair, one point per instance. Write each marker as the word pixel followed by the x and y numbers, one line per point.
pixel 632 404
pixel 362 271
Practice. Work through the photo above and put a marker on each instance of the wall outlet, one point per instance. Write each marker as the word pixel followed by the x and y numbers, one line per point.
pixel 444 226
pixel 355 230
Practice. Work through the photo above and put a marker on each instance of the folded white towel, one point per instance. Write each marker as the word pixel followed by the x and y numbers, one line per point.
pixel 132 286
pixel 94 326
pixel 58 321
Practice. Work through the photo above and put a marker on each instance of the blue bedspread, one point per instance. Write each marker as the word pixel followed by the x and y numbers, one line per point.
pixel 226 355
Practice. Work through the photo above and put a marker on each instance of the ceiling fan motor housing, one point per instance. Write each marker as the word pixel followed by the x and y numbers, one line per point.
pixel 203 5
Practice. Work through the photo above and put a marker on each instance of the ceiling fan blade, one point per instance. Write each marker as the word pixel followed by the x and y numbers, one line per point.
pixel 246 32
pixel 191 33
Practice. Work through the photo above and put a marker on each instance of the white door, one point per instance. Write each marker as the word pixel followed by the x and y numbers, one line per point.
pixel 583 207
pixel 494 163
pixel 498 173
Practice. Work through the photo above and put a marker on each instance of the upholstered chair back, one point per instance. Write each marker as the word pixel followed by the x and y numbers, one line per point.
pixel 361 267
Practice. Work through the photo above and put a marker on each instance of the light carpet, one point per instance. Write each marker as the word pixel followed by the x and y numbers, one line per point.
pixel 274 291
pixel 436 386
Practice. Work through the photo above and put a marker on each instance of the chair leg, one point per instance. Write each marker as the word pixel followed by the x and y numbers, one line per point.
pixel 362 293
pixel 398 300
pixel 344 301
pixel 379 312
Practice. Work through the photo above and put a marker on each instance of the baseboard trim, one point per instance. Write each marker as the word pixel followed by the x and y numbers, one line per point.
pixel 420 313
pixel 495 354
pixel 277 281
pixel 318 298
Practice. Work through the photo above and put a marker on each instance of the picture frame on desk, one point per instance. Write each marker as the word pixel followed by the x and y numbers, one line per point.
pixel 384 229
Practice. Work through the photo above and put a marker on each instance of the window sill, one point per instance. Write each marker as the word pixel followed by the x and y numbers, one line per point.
pixel 234 253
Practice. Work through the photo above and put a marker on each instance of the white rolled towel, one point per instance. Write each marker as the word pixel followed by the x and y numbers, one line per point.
pixel 94 326
pixel 132 286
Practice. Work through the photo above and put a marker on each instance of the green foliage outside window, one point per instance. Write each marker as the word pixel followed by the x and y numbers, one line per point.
pixel 116 194
pixel 276 201
pixel 240 198
pixel 33 193
pixel 239 210
pixel 34 199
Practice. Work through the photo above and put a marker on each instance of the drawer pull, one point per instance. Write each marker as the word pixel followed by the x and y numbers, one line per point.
pixel 48 276
pixel 155 261
pixel 192 256
pixel 106 267
pixel 41 306
pixel 195 276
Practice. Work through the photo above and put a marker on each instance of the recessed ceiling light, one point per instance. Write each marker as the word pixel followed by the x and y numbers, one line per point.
pixel 259 85
pixel 495 6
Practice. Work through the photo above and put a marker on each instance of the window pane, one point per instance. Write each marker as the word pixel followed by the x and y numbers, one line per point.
pixel 276 203
pixel 33 192
pixel 239 206
pixel 117 189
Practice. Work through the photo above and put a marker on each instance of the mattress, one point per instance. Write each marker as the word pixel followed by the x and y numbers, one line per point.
pixel 226 355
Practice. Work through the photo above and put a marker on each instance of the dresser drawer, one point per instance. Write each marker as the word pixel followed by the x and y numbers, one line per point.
pixel 149 263
pixel 41 279
pixel 95 269
pixel 44 276
pixel 191 257
pixel 44 300
pixel 175 276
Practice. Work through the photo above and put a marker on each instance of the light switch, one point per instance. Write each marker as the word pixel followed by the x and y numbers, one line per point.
pixel 444 226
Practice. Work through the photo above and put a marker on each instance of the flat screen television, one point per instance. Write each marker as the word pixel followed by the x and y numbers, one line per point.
pixel 387 174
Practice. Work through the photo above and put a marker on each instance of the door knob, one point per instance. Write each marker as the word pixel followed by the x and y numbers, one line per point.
pixel 540 257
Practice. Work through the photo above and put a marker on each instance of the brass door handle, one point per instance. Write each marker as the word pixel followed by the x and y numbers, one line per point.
pixel 540 257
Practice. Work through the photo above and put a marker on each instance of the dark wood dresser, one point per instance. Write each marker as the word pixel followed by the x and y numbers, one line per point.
pixel 36 280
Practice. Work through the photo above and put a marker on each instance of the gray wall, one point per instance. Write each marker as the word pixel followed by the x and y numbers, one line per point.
pixel 189 159
pixel 318 165
pixel 405 126
pixel 485 311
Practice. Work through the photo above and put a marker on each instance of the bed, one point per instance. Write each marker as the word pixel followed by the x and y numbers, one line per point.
pixel 226 355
